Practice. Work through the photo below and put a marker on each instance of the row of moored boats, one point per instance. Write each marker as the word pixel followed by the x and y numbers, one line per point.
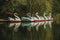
pixel 29 18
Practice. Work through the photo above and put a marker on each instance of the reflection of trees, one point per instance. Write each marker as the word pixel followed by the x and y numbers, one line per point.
pixel 5 32
pixel 56 31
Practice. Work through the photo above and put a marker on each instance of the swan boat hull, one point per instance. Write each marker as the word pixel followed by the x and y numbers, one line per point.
pixel 17 21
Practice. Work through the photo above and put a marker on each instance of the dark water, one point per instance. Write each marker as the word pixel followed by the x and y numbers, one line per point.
pixel 30 31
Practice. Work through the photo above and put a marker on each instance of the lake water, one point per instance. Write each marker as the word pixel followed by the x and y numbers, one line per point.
pixel 30 31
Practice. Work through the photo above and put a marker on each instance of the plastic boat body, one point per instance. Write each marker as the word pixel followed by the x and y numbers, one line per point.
pixel 16 21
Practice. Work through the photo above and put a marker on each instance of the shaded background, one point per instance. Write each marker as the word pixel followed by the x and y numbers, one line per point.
pixel 32 6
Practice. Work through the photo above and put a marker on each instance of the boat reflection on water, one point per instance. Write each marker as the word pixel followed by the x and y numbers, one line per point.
pixel 29 26
pixel 26 31
pixel 15 25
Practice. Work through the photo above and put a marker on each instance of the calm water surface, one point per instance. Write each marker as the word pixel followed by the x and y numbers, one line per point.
pixel 30 31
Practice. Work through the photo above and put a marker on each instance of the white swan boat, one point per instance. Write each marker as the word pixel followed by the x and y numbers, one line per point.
pixel 15 19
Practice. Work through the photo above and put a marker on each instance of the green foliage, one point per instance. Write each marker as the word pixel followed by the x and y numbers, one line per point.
pixel 25 6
